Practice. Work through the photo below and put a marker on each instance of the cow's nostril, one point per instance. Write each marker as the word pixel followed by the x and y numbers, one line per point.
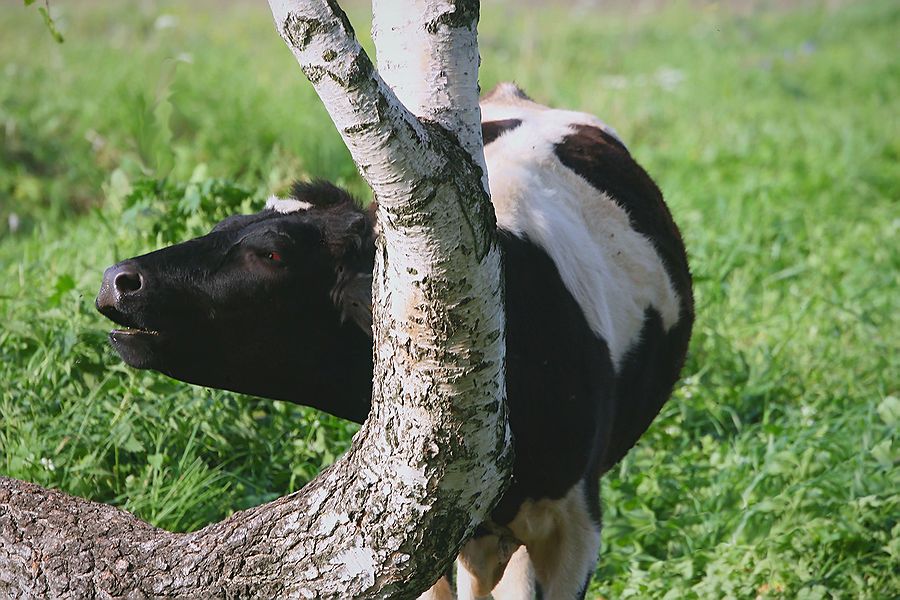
pixel 127 282
pixel 120 281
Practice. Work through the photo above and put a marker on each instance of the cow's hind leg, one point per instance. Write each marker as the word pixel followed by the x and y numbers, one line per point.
pixel 518 579
pixel 563 541
pixel 482 563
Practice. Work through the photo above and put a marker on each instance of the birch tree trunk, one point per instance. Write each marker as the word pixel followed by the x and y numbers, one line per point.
pixel 389 517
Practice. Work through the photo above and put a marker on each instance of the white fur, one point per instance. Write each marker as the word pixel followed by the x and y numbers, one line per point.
pixel 467 584
pixel 504 103
pixel 518 580
pixel 286 205
pixel 612 271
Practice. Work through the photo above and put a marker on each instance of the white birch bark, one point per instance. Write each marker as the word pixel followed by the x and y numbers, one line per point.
pixel 438 286
pixel 427 466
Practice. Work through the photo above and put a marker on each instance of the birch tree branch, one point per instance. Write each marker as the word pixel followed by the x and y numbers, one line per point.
pixel 428 54
pixel 439 326
pixel 437 292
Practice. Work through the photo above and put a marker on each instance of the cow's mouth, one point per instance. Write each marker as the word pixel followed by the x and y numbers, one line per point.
pixel 129 325
pixel 130 331
pixel 139 348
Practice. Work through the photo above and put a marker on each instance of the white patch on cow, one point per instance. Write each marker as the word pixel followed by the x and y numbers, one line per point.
pixel 286 205
pixel 518 579
pixel 562 539
pixel 612 271
pixel 467 583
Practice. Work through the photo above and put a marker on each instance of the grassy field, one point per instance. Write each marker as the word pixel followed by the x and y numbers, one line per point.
pixel 772 473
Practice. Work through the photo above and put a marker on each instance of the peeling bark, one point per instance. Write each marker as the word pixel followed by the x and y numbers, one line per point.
pixel 389 517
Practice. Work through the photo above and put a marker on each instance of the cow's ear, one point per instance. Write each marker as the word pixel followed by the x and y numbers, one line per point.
pixel 347 234
pixel 321 194
pixel 350 236
pixel 353 296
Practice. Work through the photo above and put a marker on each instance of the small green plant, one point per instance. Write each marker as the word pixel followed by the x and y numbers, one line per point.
pixel 48 20
pixel 167 212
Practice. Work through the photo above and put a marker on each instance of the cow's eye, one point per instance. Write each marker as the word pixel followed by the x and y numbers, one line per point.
pixel 274 256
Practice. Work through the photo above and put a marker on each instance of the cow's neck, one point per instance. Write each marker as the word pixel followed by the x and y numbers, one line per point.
pixel 343 383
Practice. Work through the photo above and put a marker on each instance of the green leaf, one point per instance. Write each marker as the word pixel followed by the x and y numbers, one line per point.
pixel 132 444
pixel 889 410
pixel 190 203
pixel 64 283
pixel 883 453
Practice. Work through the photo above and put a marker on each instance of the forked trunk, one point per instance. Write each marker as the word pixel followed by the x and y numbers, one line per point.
pixel 434 455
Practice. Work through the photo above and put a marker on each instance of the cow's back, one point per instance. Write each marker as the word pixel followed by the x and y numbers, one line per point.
pixel 564 182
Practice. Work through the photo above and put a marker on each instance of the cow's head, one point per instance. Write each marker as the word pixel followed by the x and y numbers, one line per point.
pixel 275 304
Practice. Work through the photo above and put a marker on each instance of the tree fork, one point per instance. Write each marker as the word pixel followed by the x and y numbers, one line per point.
pixel 390 515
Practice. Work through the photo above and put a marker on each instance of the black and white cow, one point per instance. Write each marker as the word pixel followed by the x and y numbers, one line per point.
pixel 599 313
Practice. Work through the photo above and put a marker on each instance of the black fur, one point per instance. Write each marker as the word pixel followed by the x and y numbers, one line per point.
pixel 491 130
pixel 227 316
pixel 320 193
pixel 559 380
pixel 651 368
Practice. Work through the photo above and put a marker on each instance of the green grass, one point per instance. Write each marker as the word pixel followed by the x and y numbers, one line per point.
pixel 774 134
